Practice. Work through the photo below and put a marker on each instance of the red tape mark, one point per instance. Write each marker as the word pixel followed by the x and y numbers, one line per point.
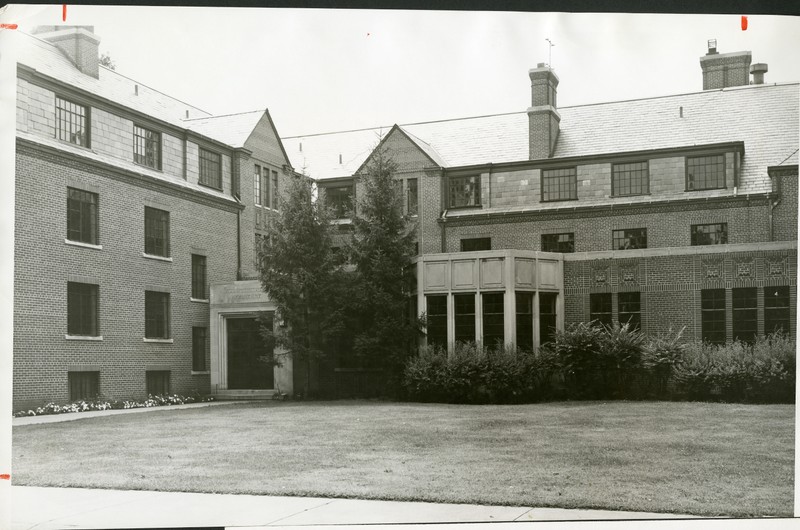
pixel 8 26
pixel 744 23
pixel 64 13
pixel 5 476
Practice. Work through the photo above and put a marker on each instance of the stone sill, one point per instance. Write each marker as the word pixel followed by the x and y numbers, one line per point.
pixel 199 300
pixel 159 341
pixel 83 245
pixel 207 372
pixel 84 337
pixel 157 258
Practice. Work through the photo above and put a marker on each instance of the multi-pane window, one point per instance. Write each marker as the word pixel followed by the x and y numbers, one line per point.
pixel 72 122
pixel 199 335
pixel 83 385
pixel 157 382
pixel 559 184
pixel 558 242
pixel 493 320
pixel 547 317
pixel 630 310
pixel 705 172
pixel 524 321
pixel 437 320
pixel 600 309
pixel 156 315
pixel 82 309
pixel 464 191
pixel 82 216
pixel 476 243
pixel 340 200
pixel 630 179
pixel 713 234
pixel 628 239
pixel 274 190
pixel 210 169
pixel 199 277
pixel 146 147
pixel 776 310
pixel 259 244
pixel 413 200
pixel 712 303
pixel 745 314
pixel 464 307
pixel 257 185
pixel 156 232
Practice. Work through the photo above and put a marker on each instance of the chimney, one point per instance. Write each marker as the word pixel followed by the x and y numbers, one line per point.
pixel 78 43
pixel 543 117
pixel 722 70
pixel 758 70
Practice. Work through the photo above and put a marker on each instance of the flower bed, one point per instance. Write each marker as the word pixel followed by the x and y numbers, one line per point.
pixel 105 404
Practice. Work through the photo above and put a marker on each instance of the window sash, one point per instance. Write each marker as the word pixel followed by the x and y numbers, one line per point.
pixel 630 310
pixel 412 200
pixel 146 147
pixel 210 169
pixel 600 308
pixel 745 313
pixel 705 172
pixel 275 190
pixel 199 277
pixel 156 315
pixel 83 385
pixel 157 382
pixel 712 303
pixel 464 309
pixel 199 340
pixel 710 234
pixel 82 211
pixel 437 320
pixel 629 239
pixel 156 232
pixel 524 302
pixel 464 191
pixel 493 320
pixel 82 309
pixel 630 179
pixel 559 184
pixel 564 243
pixel 476 244
pixel 71 122
pixel 257 185
pixel 777 316
pixel 340 200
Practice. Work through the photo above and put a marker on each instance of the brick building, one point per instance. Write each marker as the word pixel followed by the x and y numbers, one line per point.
pixel 136 221
pixel 666 212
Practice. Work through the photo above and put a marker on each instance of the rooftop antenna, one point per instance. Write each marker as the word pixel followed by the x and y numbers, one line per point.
pixel 550 52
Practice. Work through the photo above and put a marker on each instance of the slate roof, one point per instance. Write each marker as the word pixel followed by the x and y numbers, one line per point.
pixel 230 129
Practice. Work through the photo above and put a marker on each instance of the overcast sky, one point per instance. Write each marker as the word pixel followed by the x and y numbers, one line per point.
pixel 330 70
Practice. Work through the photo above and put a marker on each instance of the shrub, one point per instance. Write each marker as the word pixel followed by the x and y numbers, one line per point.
pixel 621 354
pixel 660 357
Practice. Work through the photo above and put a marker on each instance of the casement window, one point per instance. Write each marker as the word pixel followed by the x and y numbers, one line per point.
pixel 257 185
pixel 275 190
pixel 564 243
pixel 156 315
pixel 464 191
pixel 83 385
pixel 464 308
pixel 146 147
pixel 72 122
pixel 630 310
pixel 524 321
pixel 712 304
pixel 712 234
pixel 156 232
pixel 82 309
pixel 776 310
pixel 629 239
pixel 705 172
pixel 547 317
pixel 745 314
pixel 630 179
pixel 210 169
pixel 436 315
pixel 476 243
pixel 600 309
pixel 559 184
pixel 493 320
pixel 412 202
pixel 340 200
pixel 199 335
pixel 157 382
pixel 199 291
pixel 82 211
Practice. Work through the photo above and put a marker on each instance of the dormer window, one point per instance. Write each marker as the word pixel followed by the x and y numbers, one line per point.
pixel 72 122
pixel 146 147
pixel 340 200
pixel 210 169
pixel 464 191
pixel 559 184
pixel 705 172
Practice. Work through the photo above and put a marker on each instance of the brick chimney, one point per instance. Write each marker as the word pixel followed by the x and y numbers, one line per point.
pixel 722 70
pixel 543 117
pixel 78 43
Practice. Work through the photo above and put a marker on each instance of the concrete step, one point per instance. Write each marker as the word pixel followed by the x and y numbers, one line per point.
pixel 233 395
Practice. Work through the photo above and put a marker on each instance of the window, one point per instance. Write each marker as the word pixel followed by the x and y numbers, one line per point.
pixel 600 309
pixel 716 234
pixel 156 315
pixel 464 317
pixel 274 190
pixel 630 179
pixel 559 184
pixel 82 309
pixel 156 232
pixel 83 385
pixel 340 200
pixel 547 317
pixel 210 169
pixel 478 243
pixel 464 191
pixel 493 320
pixel 413 200
pixel 199 349
pixel 257 185
pixel 524 321
pixel 259 244
pixel 199 277
pixel 630 310
pixel 72 122
pixel 558 242
pixel 629 239
pixel 157 382
pixel 82 216
pixel 705 172
pixel 437 320
pixel 712 303
pixel 146 147
pixel 776 310
pixel 745 314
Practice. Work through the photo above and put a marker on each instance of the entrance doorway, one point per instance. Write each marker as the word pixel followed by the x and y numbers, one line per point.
pixel 245 346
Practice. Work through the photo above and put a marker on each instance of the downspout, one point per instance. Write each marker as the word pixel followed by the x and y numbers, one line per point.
pixel 239 241
pixel 444 230
pixel 443 219
pixel 185 155
pixel 773 205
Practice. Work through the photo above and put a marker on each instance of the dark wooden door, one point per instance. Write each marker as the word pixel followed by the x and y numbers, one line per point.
pixel 245 346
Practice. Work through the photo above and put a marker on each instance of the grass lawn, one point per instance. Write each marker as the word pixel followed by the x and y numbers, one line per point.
pixel 694 458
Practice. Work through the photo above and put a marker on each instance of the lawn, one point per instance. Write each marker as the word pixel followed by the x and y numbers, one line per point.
pixel 693 458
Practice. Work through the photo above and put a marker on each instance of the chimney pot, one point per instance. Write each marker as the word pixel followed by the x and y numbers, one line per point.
pixel 712 46
pixel 758 70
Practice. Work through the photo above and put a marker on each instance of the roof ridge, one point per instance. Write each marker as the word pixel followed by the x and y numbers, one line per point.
pixel 226 115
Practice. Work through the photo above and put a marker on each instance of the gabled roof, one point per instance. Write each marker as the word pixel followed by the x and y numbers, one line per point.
pixel 230 129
